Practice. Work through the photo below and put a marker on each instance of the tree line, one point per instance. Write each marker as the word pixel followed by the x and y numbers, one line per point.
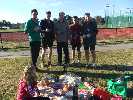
pixel 8 25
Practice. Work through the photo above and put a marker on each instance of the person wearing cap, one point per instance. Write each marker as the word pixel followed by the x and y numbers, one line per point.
pixel 33 30
pixel 75 35
pixel 47 37
pixel 89 32
pixel 62 37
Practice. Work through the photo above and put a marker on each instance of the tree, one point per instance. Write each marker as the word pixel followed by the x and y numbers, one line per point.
pixel 54 19
pixel 1 24
pixel 98 19
pixel 8 24
pixel 103 21
pixel 4 22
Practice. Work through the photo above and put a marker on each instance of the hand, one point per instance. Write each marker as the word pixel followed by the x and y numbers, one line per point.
pixel 81 40
pixel 55 38
pixel 37 29
pixel 42 31
pixel 36 94
pixel 47 30
pixel 25 33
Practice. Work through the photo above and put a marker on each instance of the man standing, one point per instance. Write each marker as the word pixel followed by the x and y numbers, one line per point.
pixel 33 31
pixel 75 34
pixel 47 27
pixel 62 36
pixel 89 31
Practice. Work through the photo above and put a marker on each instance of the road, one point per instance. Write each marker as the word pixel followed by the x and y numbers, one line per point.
pixel 99 48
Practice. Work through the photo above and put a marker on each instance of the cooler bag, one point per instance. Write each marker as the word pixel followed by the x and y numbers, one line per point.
pixel 117 87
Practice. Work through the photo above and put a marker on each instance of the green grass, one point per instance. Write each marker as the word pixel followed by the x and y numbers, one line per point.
pixel 113 41
pixel 19 46
pixel 11 69
pixel 14 46
pixel 11 30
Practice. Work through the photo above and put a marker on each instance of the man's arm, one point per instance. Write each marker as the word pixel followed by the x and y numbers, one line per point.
pixel 95 27
pixel 55 30
pixel 43 26
pixel 81 33
pixel 28 27
pixel 52 31
pixel 68 32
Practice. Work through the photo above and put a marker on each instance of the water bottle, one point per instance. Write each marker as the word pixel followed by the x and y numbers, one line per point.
pixel 75 92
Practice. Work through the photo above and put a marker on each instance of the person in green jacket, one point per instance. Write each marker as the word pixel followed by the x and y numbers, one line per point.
pixel 33 30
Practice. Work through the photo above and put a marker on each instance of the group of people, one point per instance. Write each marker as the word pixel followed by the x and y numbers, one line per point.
pixel 44 33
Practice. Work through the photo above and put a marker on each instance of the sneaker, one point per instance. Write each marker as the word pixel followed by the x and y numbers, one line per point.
pixel 78 61
pixel 66 64
pixel 73 62
pixel 49 63
pixel 59 64
pixel 87 65
pixel 93 65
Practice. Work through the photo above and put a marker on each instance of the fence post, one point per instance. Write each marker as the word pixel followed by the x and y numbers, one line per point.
pixel 1 41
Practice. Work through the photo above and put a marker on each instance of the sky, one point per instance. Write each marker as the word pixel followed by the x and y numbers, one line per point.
pixel 19 10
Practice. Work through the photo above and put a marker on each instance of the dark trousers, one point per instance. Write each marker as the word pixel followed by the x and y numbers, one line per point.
pixel 64 46
pixel 35 49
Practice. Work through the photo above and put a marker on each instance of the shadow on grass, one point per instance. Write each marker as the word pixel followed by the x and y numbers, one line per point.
pixel 4 49
pixel 87 74
pixel 105 67
pixel 93 74
pixel 14 49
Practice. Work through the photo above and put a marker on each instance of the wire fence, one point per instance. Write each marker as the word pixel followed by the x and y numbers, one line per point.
pixel 119 21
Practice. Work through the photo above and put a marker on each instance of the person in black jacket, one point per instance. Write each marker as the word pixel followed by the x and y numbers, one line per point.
pixel 47 37
pixel 89 32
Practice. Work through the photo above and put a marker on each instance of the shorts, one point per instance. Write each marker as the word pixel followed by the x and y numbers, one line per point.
pixel 89 47
pixel 76 43
pixel 46 43
pixel 89 44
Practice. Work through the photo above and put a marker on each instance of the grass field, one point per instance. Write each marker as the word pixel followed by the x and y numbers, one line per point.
pixel 11 69
pixel 12 30
pixel 14 46
pixel 18 46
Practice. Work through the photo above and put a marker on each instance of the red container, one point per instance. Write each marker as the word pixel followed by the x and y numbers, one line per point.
pixel 104 95
pixel 116 97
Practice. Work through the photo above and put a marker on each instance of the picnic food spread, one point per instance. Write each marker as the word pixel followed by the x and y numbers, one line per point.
pixel 70 86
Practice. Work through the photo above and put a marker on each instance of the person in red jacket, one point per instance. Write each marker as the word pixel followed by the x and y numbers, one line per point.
pixel 27 87
pixel 75 30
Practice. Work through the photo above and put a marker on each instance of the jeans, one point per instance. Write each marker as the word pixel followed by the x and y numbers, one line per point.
pixel 35 49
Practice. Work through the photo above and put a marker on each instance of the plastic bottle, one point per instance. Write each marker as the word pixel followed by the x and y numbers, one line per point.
pixel 75 92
